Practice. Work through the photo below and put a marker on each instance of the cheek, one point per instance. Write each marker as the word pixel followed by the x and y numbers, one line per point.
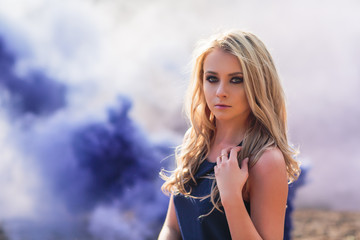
pixel 243 99
pixel 207 99
pixel 207 92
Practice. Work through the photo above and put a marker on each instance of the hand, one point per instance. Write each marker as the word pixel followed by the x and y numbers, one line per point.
pixel 230 178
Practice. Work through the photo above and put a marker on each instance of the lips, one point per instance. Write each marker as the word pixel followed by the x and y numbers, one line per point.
pixel 222 106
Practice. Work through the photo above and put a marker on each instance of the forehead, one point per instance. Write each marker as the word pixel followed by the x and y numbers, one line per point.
pixel 220 61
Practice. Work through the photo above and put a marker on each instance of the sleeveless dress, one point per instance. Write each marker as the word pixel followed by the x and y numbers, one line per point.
pixel 188 210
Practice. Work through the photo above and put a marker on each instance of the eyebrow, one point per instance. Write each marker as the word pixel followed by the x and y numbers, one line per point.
pixel 231 74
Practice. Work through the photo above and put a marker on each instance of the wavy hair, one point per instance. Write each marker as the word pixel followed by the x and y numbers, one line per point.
pixel 267 120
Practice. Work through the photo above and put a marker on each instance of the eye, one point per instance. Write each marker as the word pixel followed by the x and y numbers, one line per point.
pixel 237 80
pixel 211 79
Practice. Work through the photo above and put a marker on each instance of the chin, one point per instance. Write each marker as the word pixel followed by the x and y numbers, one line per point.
pixel 222 117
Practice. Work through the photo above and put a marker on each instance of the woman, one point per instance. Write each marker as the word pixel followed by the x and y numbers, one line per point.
pixel 235 162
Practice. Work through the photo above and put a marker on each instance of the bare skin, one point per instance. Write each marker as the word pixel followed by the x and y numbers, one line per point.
pixel 170 229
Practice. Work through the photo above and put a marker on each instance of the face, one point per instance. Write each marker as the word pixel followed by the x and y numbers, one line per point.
pixel 223 86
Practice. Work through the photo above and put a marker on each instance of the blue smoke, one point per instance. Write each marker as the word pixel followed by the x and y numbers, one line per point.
pixel 35 93
pixel 114 155
pixel 94 165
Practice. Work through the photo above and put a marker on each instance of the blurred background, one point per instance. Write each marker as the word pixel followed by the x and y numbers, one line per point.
pixel 91 95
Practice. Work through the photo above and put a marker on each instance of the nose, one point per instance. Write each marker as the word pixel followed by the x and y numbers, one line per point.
pixel 221 91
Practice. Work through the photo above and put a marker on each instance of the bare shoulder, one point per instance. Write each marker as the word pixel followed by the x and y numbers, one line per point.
pixel 270 164
pixel 271 159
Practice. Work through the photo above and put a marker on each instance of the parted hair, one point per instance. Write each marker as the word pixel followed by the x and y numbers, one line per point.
pixel 267 126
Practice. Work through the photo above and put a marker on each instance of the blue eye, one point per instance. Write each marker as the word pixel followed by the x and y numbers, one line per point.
pixel 211 79
pixel 237 80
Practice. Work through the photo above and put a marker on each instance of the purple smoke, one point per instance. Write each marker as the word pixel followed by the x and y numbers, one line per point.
pixel 85 167
pixel 114 155
pixel 34 93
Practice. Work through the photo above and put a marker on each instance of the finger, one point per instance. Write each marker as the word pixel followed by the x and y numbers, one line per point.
pixel 225 153
pixel 244 164
pixel 234 152
pixel 218 160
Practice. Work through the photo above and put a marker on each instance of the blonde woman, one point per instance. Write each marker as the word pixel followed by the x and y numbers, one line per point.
pixel 235 163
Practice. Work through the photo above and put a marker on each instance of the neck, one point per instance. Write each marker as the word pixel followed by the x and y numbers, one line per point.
pixel 230 133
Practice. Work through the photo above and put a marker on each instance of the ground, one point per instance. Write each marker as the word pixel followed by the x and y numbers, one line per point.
pixel 314 224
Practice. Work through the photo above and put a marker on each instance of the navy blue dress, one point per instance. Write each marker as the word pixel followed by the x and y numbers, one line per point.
pixel 188 210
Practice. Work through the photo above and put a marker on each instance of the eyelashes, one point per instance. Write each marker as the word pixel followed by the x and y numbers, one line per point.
pixel 237 80
pixel 211 79
pixel 214 79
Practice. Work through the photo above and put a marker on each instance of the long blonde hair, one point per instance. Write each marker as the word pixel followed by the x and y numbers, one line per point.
pixel 267 120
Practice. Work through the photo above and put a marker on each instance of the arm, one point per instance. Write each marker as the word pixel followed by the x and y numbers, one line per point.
pixel 170 230
pixel 268 194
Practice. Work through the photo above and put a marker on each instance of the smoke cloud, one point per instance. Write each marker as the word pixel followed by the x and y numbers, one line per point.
pixel 91 95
